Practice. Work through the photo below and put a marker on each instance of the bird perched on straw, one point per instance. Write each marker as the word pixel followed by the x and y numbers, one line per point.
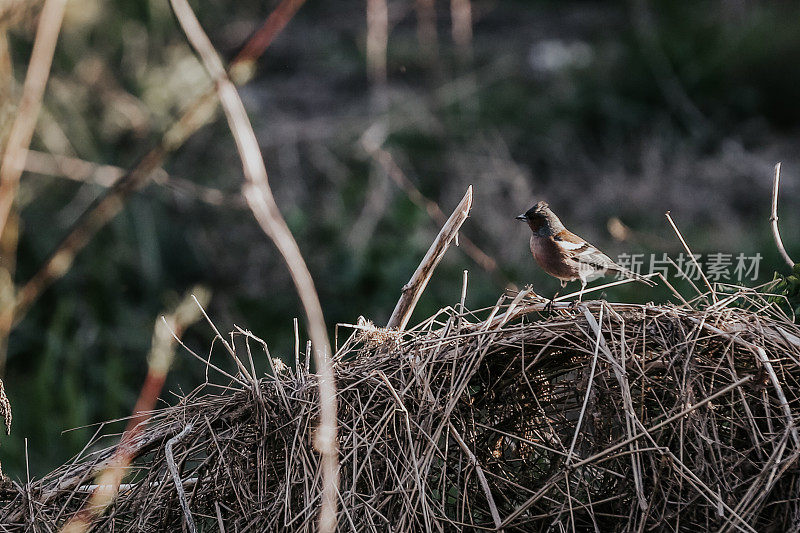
pixel 564 255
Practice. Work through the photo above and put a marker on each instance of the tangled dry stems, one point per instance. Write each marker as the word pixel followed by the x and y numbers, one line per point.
pixel 606 417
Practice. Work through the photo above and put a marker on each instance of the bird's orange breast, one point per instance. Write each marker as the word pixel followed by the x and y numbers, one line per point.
pixel 550 257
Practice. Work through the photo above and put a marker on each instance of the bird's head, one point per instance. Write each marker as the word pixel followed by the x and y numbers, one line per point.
pixel 542 220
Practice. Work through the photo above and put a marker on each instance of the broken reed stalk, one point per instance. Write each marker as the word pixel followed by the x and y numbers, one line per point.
pixel 259 196
pixel 419 280
pixel 774 217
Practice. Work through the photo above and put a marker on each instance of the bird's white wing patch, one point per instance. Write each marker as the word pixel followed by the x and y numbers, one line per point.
pixel 570 245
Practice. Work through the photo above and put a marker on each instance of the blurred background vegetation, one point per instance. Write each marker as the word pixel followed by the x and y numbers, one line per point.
pixel 613 111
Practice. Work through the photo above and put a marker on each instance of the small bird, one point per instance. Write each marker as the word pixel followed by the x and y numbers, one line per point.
pixel 564 255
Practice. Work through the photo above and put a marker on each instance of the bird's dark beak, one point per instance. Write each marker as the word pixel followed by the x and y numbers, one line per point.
pixel 521 217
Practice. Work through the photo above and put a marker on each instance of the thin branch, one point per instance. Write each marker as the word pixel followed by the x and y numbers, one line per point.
pixel 32 91
pixel 15 152
pixel 416 285
pixel 774 217
pixel 393 170
pixel 262 38
pixel 481 476
pixel 259 195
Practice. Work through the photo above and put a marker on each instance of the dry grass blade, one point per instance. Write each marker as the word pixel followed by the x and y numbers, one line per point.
pixel 259 197
pixel 692 257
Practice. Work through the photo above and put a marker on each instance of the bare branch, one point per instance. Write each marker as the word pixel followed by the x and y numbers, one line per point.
pixel 416 285
pixel 32 91
pixel 774 217
pixel 259 195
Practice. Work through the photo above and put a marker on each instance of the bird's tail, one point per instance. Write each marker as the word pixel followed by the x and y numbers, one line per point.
pixel 638 277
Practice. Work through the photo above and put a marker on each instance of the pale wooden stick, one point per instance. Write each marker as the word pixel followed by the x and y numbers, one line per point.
pixel 774 217
pixel 413 289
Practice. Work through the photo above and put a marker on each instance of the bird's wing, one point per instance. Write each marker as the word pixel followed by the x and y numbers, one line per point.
pixel 587 256
pixel 578 250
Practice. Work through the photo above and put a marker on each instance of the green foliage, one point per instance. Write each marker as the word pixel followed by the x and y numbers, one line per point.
pixel 789 287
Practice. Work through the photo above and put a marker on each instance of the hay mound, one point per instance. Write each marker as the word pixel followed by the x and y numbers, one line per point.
pixel 669 419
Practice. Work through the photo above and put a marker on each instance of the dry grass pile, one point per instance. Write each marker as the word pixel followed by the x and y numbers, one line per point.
pixel 604 417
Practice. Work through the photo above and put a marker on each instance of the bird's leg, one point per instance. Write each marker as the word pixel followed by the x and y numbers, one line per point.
pixel 583 288
pixel 574 304
pixel 549 306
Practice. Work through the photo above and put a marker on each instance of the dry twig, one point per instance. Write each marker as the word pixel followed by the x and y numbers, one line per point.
pixel 773 218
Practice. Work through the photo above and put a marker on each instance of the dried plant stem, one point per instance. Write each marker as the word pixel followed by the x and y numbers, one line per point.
pixel 32 91
pixel 259 196
pixel 377 41
pixel 587 395
pixel 479 471
pixel 691 255
pixel 461 27
pixel 261 40
pixel 419 280
pixel 478 255
pixel 773 218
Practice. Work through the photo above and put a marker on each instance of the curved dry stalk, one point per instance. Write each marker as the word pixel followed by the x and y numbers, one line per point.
pixel 176 478
pixel 773 218
pixel 259 196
